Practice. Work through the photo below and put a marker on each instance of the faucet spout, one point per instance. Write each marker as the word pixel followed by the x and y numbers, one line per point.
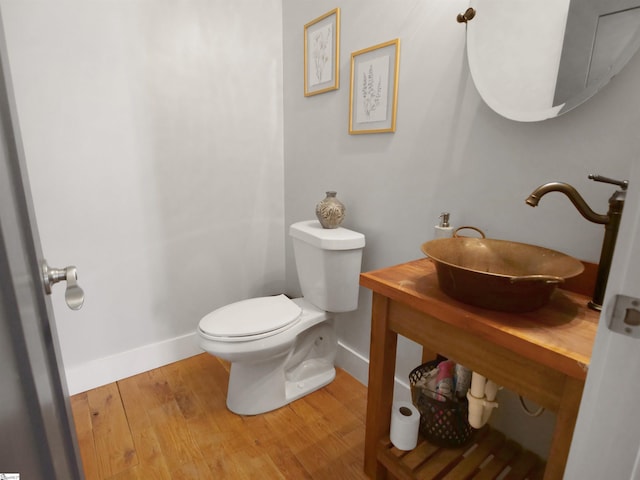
pixel 611 221
pixel 573 195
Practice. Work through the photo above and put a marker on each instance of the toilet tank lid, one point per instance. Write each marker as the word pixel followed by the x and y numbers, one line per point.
pixel 340 238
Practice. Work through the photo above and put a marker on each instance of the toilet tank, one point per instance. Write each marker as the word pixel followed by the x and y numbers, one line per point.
pixel 328 262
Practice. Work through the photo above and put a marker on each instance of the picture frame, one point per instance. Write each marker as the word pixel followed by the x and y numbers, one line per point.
pixel 322 54
pixel 373 95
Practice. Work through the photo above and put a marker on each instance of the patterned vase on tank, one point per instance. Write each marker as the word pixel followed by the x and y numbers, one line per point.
pixel 330 211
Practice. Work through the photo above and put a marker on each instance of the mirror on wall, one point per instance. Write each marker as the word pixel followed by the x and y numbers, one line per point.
pixel 536 59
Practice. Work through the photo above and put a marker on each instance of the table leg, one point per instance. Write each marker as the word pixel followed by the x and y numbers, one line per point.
pixel 565 424
pixel 382 364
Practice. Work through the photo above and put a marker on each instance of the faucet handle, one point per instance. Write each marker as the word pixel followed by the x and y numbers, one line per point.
pixel 599 178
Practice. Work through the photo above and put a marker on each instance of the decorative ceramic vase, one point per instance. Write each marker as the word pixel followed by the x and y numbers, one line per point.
pixel 330 211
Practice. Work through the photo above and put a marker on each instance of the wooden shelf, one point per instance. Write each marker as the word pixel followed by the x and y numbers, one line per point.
pixel 489 455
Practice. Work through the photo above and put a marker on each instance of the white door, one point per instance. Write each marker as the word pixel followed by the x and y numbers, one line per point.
pixel 37 437
pixel 606 442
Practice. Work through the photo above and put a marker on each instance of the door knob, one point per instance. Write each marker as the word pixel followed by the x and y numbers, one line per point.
pixel 74 296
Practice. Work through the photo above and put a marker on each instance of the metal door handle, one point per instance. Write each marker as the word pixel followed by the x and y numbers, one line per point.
pixel 74 296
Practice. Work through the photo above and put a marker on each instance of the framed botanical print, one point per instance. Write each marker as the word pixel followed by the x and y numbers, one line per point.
pixel 322 54
pixel 373 96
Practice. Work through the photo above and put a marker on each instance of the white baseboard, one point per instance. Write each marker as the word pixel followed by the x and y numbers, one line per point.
pixel 132 362
pixel 353 363
pixel 357 365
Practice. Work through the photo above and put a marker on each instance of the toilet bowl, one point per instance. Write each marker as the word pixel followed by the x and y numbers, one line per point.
pixel 281 349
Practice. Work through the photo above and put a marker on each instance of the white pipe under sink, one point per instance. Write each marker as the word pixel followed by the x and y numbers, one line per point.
pixel 481 396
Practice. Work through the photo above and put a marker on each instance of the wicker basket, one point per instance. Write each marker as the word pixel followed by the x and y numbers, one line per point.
pixel 443 423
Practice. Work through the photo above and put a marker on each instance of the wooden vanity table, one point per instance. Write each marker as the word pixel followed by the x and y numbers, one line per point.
pixel 542 356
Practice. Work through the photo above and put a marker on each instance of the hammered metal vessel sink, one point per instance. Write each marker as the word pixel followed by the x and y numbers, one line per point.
pixel 499 274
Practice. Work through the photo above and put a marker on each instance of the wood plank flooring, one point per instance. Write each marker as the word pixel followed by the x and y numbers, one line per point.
pixel 172 423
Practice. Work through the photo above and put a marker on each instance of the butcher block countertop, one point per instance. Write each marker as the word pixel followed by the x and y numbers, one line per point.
pixel 559 335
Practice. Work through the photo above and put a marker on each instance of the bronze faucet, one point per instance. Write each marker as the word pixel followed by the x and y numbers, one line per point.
pixel 611 221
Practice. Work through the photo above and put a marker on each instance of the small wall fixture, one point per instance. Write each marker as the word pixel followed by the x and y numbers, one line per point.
pixel 466 16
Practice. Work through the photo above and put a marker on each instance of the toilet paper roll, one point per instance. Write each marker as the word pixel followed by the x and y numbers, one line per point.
pixel 405 422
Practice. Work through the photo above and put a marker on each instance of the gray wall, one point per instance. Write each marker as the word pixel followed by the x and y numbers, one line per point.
pixel 153 138
pixel 450 151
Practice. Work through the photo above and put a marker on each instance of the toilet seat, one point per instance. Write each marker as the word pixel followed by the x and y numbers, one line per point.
pixel 250 319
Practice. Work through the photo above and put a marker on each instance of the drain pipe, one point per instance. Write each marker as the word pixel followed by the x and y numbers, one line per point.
pixel 481 396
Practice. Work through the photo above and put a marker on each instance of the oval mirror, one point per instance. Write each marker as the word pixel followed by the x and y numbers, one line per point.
pixel 537 59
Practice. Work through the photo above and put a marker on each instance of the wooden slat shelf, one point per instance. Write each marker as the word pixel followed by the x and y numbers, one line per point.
pixel 490 455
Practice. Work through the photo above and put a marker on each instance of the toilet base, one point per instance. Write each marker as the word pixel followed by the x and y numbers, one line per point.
pixel 298 389
pixel 260 387
pixel 255 389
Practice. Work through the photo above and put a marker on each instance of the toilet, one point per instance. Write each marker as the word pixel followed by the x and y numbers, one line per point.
pixel 281 349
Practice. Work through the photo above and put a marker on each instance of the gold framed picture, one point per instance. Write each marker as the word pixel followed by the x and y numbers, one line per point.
pixel 322 54
pixel 373 95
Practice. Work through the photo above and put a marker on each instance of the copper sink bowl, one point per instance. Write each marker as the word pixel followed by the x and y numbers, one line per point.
pixel 499 274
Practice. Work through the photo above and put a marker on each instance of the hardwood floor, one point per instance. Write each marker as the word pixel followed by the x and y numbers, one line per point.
pixel 172 423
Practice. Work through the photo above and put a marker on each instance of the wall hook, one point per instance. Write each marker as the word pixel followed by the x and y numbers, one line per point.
pixel 466 16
